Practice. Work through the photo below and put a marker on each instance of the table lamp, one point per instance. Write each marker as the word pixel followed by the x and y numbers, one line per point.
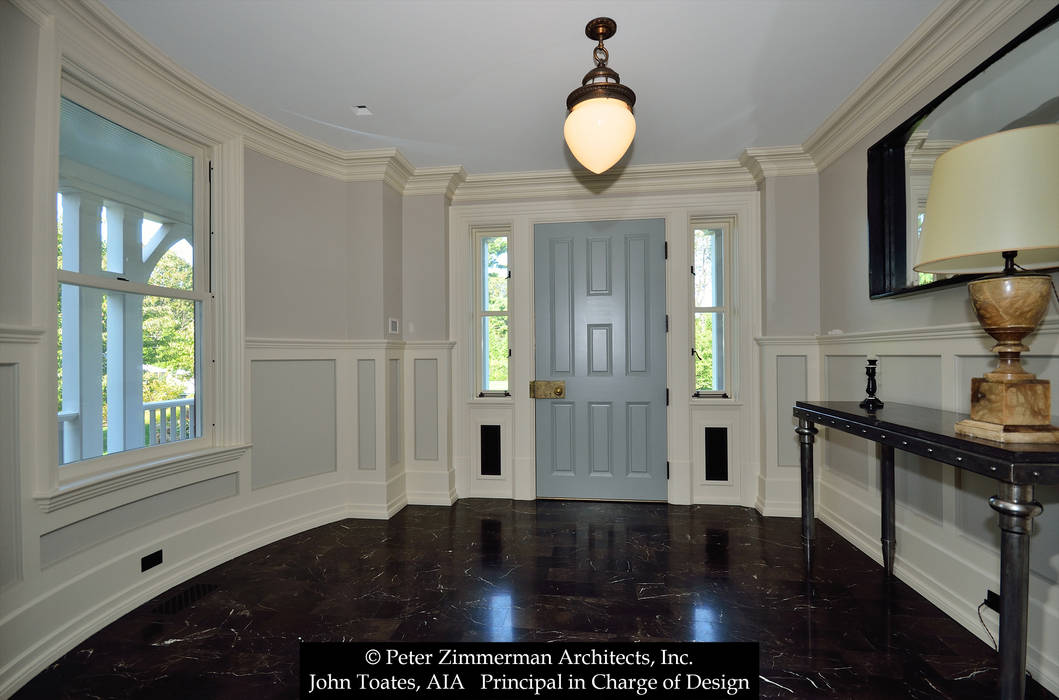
pixel 993 207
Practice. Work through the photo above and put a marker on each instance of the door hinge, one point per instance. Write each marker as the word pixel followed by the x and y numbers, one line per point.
pixel 667 396
pixel 667 471
pixel 509 274
pixel 667 323
pixel 509 352
pixel 692 269
pixel 666 250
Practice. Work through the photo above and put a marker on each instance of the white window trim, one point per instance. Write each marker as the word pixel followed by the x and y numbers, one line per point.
pixel 106 466
pixel 727 226
pixel 136 102
pixel 478 234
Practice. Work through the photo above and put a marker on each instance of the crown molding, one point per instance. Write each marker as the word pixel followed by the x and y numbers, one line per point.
pixel 34 11
pixel 777 162
pixel 921 152
pixel 953 29
pixel 96 35
pixel 553 184
pixel 440 180
pixel 92 30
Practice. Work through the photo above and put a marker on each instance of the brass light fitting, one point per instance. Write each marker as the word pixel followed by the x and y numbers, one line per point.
pixel 600 125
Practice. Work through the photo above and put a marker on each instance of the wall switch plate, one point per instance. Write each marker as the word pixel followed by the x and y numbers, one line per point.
pixel 395 325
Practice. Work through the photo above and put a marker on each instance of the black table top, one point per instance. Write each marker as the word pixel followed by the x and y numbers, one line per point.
pixel 930 432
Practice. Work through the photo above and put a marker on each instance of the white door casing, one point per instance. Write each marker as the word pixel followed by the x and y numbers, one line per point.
pixel 515 414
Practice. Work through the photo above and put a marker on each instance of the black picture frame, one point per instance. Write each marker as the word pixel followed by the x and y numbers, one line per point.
pixel 887 258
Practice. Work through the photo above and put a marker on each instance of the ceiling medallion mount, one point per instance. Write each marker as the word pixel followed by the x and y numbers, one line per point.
pixel 600 126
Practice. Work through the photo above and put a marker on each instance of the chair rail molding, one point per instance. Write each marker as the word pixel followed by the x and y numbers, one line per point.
pixel 22 334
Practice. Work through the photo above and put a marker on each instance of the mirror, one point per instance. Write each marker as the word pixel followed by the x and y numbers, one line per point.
pixel 1017 86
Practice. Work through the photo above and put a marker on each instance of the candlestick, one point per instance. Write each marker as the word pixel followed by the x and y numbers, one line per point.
pixel 871 403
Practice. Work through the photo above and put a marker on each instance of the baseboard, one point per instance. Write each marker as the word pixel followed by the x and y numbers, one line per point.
pixel 779 509
pixel 35 659
pixel 776 507
pixel 1044 670
pixel 431 498
pixel 430 487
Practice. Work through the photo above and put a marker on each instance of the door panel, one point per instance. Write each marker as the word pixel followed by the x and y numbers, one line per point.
pixel 600 327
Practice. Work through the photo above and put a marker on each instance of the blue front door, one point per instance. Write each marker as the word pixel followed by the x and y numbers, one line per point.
pixel 599 292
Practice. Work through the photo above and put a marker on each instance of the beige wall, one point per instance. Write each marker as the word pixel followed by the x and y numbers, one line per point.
pixel 791 241
pixel 363 202
pixel 392 272
pixel 426 277
pixel 18 68
pixel 297 271
pixel 324 258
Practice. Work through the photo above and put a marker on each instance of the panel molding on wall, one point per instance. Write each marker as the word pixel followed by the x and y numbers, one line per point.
pixel 792 384
pixel 293 415
pixel 393 411
pixel 425 378
pixel 101 527
pixel 429 473
pixel 366 410
pixel 10 488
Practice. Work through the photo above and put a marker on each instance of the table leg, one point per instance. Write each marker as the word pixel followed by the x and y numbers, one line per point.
pixel 1017 509
pixel 886 479
pixel 806 431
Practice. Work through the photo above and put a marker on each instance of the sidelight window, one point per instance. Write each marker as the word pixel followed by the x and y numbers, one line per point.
pixel 711 316
pixel 131 291
pixel 494 353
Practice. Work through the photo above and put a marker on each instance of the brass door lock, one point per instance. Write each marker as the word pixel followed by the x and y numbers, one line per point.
pixel 541 389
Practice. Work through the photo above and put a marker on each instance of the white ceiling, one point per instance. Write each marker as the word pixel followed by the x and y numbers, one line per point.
pixel 483 83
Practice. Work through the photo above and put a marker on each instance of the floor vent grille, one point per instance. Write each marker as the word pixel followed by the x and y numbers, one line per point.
pixel 184 599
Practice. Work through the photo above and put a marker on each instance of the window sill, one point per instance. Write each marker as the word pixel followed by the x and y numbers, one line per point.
pixel 123 477
pixel 714 401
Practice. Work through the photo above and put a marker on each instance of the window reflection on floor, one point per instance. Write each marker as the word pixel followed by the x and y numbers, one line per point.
pixel 704 625
pixel 500 623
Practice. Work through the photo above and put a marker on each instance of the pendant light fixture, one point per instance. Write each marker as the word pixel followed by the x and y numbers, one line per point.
pixel 600 126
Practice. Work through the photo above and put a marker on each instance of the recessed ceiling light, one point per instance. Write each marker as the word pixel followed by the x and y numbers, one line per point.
pixel 362 111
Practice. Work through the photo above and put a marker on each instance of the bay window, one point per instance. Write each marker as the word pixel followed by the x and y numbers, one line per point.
pixel 132 288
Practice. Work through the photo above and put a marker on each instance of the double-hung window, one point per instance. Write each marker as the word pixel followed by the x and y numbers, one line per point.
pixel 711 316
pixel 491 294
pixel 132 288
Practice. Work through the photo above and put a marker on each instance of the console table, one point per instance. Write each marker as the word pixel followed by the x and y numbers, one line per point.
pixel 929 433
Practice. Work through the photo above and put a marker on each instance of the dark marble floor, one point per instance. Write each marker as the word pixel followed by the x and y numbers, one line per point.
pixel 545 571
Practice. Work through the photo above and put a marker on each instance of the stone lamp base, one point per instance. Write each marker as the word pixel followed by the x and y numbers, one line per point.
pixel 1010 404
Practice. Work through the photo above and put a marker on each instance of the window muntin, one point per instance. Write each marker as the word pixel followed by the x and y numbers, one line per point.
pixel 130 297
pixel 710 315
pixel 493 354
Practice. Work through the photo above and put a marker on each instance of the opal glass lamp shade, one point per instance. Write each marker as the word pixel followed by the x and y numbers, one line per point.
pixel 599 131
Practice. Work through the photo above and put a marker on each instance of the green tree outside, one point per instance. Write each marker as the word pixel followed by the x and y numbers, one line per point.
pixel 494 253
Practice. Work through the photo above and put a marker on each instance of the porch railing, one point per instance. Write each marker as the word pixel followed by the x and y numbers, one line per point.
pixel 169 421
pixel 163 422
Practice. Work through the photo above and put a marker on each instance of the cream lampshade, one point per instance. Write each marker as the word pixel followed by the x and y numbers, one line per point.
pixel 599 131
pixel 992 200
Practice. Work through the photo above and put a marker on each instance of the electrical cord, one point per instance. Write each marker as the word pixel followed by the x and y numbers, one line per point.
pixel 982 620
